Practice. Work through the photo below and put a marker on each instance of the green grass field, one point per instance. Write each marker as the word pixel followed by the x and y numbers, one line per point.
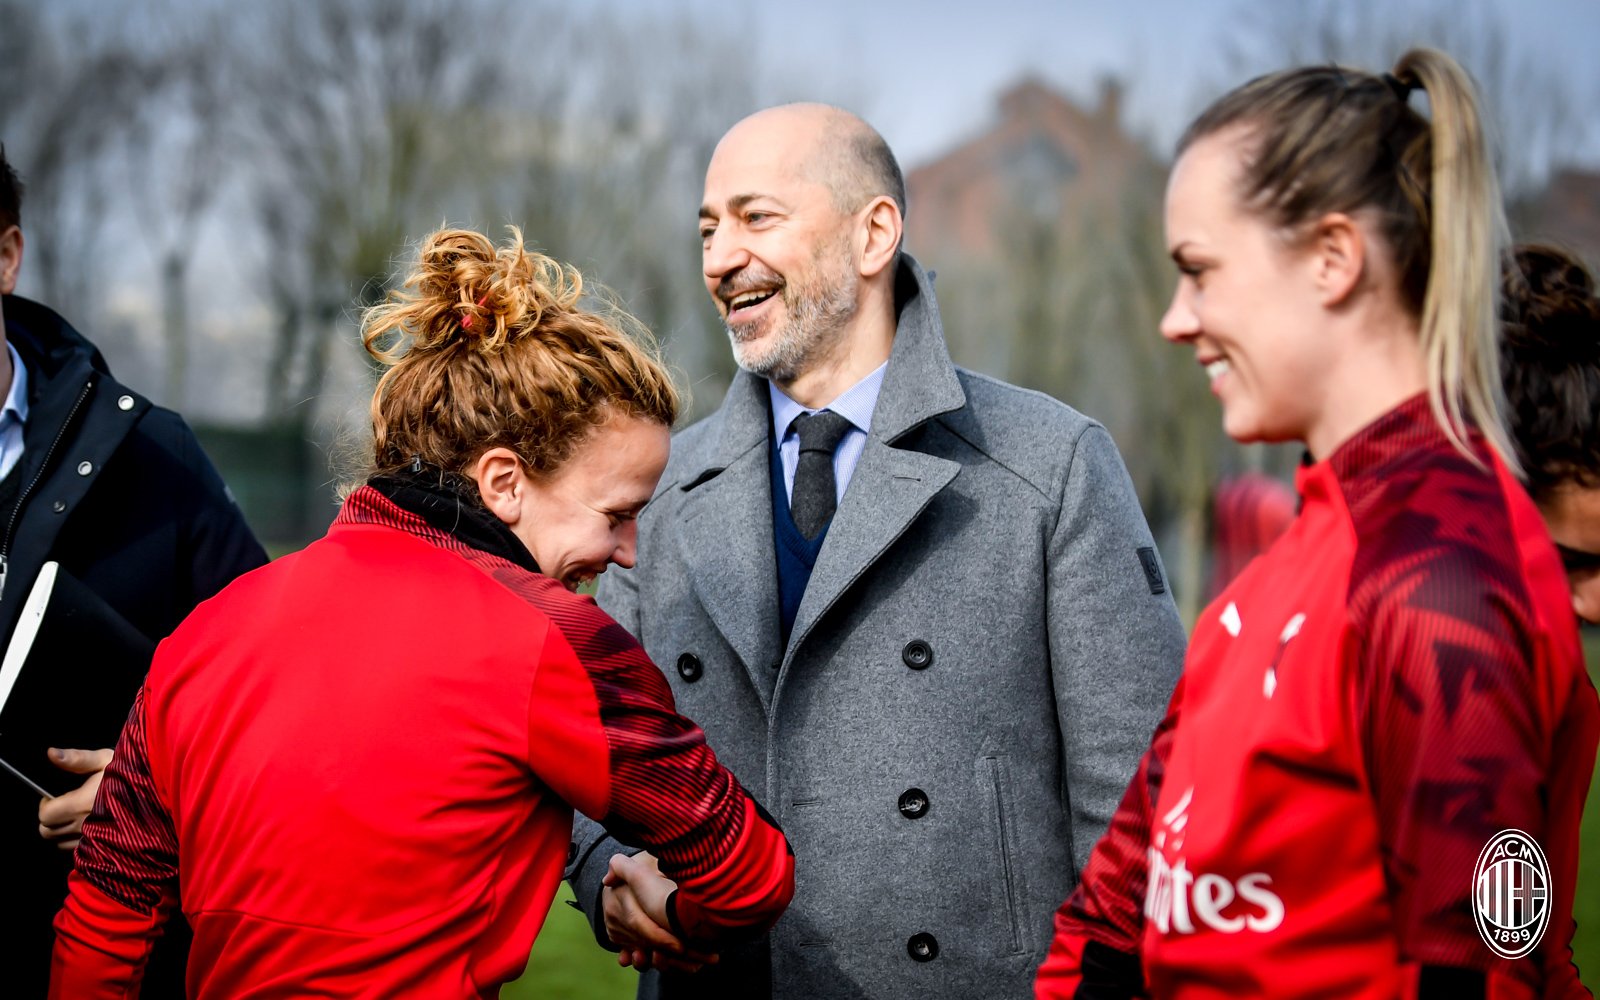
pixel 1586 943
pixel 567 965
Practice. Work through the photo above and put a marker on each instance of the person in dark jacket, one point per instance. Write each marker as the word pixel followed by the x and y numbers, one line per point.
pixel 120 494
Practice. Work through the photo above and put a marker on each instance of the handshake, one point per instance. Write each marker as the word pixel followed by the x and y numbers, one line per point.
pixel 634 901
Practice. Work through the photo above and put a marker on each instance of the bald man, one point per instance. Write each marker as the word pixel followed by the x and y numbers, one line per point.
pixel 917 611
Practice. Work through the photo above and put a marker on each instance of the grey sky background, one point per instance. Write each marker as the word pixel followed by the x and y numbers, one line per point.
pixel 927 73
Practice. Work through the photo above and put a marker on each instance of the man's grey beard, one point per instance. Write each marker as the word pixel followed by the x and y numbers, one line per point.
pixel 817 318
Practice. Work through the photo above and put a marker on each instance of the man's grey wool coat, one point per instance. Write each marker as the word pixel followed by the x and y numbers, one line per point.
pixel 983 650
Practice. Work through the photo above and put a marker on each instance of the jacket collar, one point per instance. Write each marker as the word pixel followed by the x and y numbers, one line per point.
pixel 429 496
pixel 46 340
pixel 920 382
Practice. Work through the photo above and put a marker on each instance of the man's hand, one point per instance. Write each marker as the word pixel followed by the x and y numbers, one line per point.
pixel 61 818
pixel 634 901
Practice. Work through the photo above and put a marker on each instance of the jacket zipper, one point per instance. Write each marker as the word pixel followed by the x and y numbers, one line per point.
pixel 22 498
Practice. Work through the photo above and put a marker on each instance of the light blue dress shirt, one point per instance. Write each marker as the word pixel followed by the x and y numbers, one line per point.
pixel 14 415
pixel 855 405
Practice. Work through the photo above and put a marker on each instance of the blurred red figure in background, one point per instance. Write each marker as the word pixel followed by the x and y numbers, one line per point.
pixel 1248 513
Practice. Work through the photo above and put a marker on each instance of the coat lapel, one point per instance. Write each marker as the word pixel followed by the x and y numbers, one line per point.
pixel 891 486
pixel 889 489
pixel 725 537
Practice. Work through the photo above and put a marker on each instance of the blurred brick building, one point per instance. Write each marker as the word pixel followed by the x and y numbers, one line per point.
pixel 1568 213
pixel 1044 159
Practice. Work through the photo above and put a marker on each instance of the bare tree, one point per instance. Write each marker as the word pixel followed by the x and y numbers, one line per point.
pixel 613 178
pixel 175 166
pixel 364 120
pixel 1538 119
pixel 61 114
pixel 1070 300
pixel 1089 297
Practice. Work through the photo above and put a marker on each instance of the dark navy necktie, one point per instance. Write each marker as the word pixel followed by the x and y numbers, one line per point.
pixel 812 502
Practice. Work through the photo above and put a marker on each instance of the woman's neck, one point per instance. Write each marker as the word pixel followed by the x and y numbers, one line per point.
pixel 1384 367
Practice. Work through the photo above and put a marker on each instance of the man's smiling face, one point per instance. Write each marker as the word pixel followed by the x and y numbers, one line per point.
pixel 775 249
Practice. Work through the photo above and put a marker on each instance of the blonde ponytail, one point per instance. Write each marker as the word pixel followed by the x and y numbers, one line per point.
pixel 1329 139
pixel 1468 241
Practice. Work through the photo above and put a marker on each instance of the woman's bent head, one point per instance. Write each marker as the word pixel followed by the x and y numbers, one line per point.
pixel 1551 355
pixel 1320 146
pixel 551 410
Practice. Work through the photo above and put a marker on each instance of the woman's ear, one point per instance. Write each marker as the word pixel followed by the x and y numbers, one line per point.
pixel 1339 254
pixel 498 474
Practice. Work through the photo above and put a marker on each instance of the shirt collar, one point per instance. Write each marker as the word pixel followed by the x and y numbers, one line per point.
pixel 16 400
pixel 855 404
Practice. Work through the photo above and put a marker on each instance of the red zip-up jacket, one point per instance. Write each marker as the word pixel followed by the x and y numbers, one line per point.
pixel 357 767
pixel 1393 683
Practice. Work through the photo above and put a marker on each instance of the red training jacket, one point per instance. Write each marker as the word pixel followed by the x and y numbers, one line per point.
pixel 1393 683
pixel 359 764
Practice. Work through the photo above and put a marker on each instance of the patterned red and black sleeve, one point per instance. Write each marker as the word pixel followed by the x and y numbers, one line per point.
pixel 1095 952
pixel 605 735
pixel 1455 745
pixel 124 881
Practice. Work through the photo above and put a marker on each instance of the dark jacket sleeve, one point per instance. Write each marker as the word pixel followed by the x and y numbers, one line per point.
pixel 157 532
pixel 217 544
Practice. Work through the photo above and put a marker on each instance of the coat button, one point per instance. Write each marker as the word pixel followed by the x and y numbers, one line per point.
pixel 689 667
pixel 913 803
pixel 84 468
pixel 917 654
pixel 922 947
pixel 124 402
pixel 59 506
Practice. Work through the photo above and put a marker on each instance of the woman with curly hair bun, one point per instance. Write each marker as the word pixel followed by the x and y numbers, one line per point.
pixel 355 769
pixel 1386 716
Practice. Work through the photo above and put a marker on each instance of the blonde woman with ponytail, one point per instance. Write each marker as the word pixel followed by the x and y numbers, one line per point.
pixel 1397 682
pixel 364 758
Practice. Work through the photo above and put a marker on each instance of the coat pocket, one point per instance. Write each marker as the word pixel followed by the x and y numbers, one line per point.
pixel 994 773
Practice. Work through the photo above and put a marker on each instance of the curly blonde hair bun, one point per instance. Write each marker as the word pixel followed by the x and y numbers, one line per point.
pixel 491 346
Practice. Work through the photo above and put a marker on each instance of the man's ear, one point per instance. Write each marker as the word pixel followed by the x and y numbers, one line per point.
pixel 1339 257
pixel 881 229
pixel 10 258
pixel 498 474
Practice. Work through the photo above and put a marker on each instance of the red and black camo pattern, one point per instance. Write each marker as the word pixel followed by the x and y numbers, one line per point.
pixel 129 848
pixel 1439 602
pixel 667 790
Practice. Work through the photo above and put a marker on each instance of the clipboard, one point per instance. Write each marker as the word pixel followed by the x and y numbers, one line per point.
pixel 68 642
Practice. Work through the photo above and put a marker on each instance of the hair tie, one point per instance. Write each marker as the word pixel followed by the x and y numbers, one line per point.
pixel 1399 87
pixel 466 322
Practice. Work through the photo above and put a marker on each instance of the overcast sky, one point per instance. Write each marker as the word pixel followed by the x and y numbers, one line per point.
pixel 926 73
